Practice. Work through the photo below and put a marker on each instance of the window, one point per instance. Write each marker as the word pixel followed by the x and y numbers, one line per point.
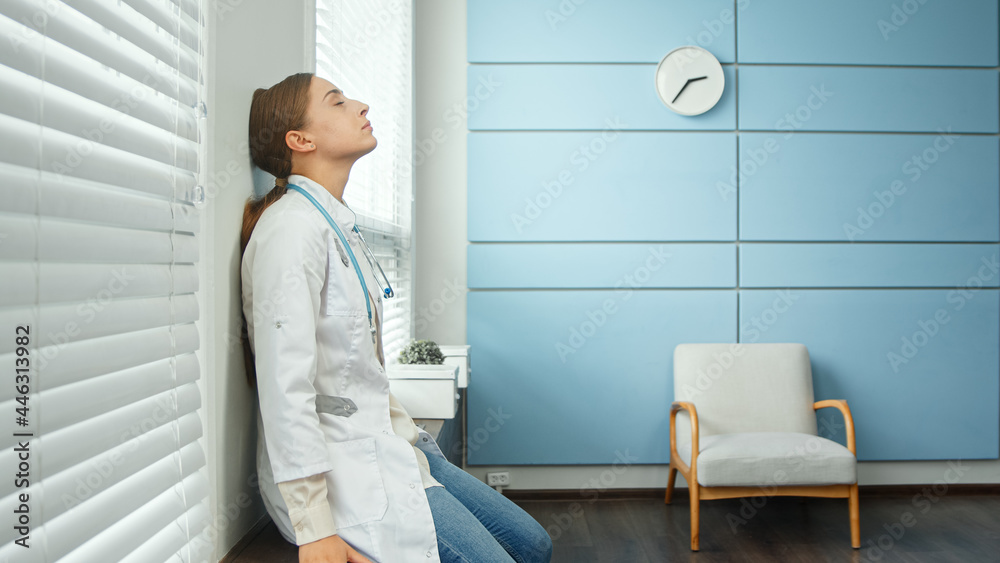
pixel 365 47
pixel 100 168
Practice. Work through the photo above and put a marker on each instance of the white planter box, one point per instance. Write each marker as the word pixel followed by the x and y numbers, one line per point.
pixel 458 355
pixel 425 391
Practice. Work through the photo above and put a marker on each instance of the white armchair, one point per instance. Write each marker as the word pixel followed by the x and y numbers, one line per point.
pixel 747 411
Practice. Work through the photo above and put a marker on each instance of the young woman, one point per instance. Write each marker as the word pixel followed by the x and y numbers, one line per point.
pixel 344 472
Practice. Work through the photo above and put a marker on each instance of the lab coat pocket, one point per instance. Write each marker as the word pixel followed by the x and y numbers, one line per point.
pixel 341 295
pixel 354 485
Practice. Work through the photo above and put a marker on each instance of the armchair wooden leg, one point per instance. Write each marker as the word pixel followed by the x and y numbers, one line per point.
pixel 695 516
pixel 670 484
pixel 855 511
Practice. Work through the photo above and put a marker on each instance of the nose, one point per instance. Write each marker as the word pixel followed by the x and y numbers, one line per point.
pixel 364 109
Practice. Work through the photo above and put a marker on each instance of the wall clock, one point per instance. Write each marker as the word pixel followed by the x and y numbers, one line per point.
pixel 689 80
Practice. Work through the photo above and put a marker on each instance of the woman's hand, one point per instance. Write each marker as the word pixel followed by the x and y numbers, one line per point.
pixel 331 549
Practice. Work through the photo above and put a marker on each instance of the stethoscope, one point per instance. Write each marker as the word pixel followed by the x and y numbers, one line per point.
pixel 370 256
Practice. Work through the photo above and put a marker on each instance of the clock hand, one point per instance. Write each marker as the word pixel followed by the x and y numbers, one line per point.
pixel 689 80
pixel 682 89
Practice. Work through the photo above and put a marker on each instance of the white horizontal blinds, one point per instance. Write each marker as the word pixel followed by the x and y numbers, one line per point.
pixel 100 150
pixel 365 48
pixel 394 256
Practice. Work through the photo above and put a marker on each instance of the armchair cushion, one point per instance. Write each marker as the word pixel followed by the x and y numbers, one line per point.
pixel 737 388
pixel 750 459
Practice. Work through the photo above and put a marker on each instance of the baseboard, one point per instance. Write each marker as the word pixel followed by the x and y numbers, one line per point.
pixel 681 492
pixel 937 488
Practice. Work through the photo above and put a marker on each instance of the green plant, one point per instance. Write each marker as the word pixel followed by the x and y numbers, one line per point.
pixel 421 352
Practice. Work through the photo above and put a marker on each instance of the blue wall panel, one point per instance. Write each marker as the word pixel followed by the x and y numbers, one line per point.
pixel 811 186
pixel 869 32
pixel 867 265
pixel 574 96
pixel 641 31
pixel 919 368
pixel 606 392
pixel 862 176
pixel 868 99
pixel 601 265
pixel 550 186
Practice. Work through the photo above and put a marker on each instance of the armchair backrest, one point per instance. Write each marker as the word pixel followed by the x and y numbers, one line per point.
pixel 739 387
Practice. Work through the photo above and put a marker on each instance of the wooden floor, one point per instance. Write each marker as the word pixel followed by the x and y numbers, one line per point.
pixel 955 527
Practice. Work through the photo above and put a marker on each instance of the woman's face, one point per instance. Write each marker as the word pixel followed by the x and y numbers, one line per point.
pixel 337 124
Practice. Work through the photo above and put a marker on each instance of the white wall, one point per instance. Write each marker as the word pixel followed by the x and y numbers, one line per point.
pixel 441 240
pixel 252 44
pixel 440 225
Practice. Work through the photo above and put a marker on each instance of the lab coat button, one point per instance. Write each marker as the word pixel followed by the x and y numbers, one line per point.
pixel 428 554
pixel 412 486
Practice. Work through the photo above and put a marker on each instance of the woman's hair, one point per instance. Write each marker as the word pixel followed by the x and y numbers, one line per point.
pixel 273 112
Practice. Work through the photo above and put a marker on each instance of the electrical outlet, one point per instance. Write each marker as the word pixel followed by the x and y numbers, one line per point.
pixel 500 478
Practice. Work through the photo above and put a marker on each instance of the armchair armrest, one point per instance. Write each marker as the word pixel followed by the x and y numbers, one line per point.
pixel 841 405
pixel 693 413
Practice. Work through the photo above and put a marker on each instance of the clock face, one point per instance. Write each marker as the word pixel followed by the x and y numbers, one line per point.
pixel 689 80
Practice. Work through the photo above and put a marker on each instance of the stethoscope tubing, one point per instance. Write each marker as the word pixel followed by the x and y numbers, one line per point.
pixel 350 253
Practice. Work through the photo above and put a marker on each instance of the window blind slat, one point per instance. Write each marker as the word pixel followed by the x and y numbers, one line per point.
pixel 89 122
pixel 74 477
pixel 18 191
pixel 65 241
pixel 71 404
pixel 62 283
pixel 88 78
pixel 168 510
pixel 92 527
pixel 131 424
pixel 18 285
pixel 59 239
pixel 83 200
pixel 181 24
pixel 65 364
pixel 190 7
pixel 62 241
pixel 117 424
pixel 70 155
pixel 140 31
pixel 117 316
pixel 88 38
pixel 185 536
pixel 64 492
pixel 76 361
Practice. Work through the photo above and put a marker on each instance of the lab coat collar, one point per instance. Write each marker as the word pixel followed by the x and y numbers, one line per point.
pixel 340 213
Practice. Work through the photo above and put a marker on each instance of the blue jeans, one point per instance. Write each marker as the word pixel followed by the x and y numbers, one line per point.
pixel 477 524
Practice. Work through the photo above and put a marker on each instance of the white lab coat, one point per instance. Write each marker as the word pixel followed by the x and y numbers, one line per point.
pixel 323 395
